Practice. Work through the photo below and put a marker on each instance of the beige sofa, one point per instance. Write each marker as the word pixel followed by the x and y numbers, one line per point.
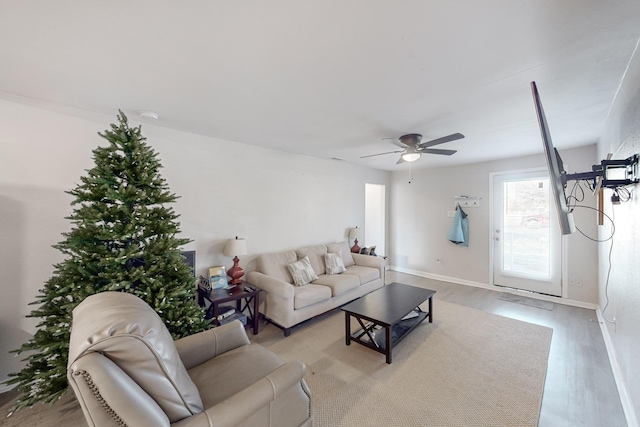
pixel 287 305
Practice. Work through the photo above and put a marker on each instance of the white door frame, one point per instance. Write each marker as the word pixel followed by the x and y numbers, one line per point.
pixel 564 244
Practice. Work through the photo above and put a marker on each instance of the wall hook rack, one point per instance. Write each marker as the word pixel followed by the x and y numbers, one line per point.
pixel 467 201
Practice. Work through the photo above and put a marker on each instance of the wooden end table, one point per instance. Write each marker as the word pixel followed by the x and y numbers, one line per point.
pixel 246 299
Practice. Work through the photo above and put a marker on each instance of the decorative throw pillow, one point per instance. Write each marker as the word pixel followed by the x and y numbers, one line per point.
pixel 344 249
pixel 302 272
pixel 333 263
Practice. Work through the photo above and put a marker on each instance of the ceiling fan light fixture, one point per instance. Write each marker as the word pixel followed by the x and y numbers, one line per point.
pixel 413 147
pixel 149 115
pixel 410 157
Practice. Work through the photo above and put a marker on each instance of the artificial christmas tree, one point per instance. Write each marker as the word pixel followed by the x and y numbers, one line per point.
pixel 123 238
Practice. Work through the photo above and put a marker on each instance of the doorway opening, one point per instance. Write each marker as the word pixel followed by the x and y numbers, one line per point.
pixel 374 217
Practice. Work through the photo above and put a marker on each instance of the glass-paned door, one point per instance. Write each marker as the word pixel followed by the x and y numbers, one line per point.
pixel 526 244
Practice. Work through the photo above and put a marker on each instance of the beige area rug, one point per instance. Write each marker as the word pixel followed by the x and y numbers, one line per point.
pixel 468 368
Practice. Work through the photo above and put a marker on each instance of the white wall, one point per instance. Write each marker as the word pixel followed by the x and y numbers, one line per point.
pixel 275 200
pixel 419 222
pixel 622 137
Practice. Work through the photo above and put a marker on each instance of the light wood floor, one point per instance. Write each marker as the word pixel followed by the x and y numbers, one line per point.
pixel 579 389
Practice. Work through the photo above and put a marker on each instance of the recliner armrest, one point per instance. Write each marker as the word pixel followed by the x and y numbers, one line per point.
pixel 106 393
pixel 198 348
pixel 245 403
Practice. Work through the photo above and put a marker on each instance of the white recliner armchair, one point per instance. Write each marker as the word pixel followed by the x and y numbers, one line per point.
pixel 125 369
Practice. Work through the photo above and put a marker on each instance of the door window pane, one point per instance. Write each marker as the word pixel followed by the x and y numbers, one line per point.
pixel 526 245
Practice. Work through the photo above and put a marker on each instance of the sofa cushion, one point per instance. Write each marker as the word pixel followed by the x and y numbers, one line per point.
pixel 305 296
pixel 316 257
pixel 275 265
pixel 338 283
pixel 334 263
pixel 344 250
pixel 221 377
pixel 302 272
pixel 366 274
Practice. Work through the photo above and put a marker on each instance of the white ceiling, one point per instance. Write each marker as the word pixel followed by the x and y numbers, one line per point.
pixel 331 78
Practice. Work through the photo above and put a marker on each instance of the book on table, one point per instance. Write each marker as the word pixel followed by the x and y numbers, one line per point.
pixel 411 315
pixel 225 311
pixel 227 314
pixel 218 277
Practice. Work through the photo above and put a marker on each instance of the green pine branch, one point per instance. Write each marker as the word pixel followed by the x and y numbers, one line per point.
pixel 123 238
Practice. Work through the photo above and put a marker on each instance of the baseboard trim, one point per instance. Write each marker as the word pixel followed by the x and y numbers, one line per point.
pixel 625 399
pixel 559 300
pixel 5 388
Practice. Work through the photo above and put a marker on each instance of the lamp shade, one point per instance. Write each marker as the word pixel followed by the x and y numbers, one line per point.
pixel 235 247
pixel 354 233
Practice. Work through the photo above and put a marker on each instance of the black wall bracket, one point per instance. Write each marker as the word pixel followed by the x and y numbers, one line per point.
pixel 614 173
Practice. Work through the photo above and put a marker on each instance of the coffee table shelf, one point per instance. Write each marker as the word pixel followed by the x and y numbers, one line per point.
pixel 378 333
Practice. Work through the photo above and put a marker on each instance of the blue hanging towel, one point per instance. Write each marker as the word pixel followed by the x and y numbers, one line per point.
pixel 459 232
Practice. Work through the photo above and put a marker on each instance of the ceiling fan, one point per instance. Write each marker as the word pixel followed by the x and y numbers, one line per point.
pixel 413 148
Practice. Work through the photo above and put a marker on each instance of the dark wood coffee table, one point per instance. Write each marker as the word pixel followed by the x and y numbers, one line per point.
pixel 387 315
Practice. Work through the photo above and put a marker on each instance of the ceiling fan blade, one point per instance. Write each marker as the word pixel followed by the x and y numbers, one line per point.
pixel 437 151
pixel 400 160
pixel 395 141
pixel 452 137
pixel 380 154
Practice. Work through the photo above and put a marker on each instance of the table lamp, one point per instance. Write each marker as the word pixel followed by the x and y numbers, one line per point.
pixel 235 247
pixel 354 233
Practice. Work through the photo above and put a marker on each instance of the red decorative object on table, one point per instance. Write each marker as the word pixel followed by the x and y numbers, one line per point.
pixel 235 273
pixel 235 247
pixel 354 233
